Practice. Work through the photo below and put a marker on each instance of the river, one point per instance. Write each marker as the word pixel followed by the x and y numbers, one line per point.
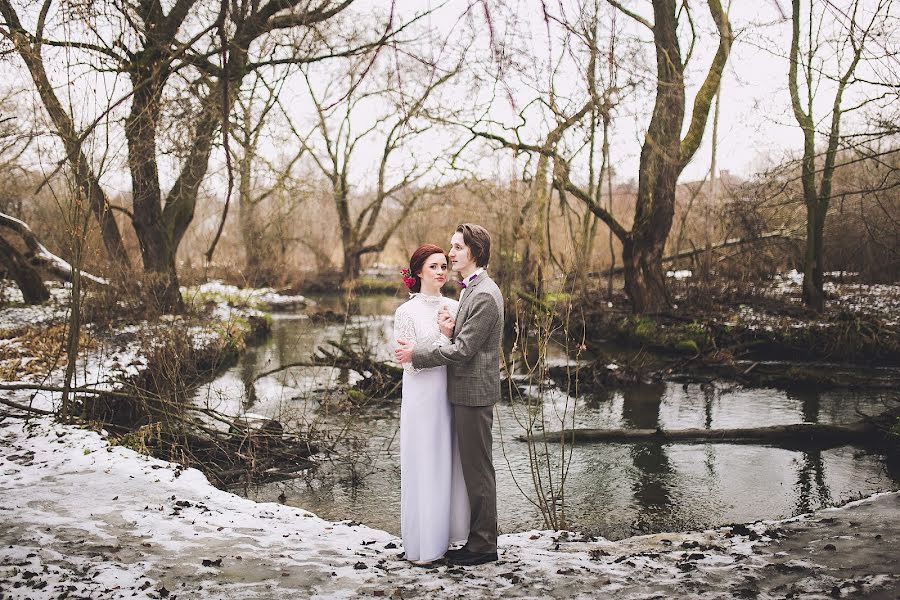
pixel 612 490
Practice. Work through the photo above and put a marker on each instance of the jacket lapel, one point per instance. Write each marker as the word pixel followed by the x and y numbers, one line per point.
pixel 468 290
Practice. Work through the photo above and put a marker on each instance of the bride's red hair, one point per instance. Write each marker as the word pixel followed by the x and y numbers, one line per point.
pixel 417 261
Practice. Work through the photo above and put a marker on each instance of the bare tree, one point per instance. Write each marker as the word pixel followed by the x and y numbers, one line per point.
pixel 184 66
pixel 664 153
pixel 856 27
pixel 571 98
pixel 30 47
pixel 259 179
pixel 400 119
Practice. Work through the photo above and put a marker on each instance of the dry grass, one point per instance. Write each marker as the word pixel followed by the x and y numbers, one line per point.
pixel 36 350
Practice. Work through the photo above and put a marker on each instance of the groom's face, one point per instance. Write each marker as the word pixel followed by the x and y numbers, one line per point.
pixel 460 255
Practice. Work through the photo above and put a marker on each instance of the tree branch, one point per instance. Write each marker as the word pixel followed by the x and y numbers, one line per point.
pixel 631 14
pixel 706 93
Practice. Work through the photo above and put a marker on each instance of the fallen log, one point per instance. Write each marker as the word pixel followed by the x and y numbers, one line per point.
pixel 778 234
pixel 24 407
pixel 16 266
pixel 861 433
pixel 38 257
pixel 344 358
pixel 379 379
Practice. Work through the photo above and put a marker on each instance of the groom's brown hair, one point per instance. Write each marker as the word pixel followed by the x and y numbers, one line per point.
pixel 478 240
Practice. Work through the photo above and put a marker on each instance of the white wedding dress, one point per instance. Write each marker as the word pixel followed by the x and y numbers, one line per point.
pixel 434 507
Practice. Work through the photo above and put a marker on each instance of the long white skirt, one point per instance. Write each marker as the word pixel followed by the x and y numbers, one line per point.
pixel 434 507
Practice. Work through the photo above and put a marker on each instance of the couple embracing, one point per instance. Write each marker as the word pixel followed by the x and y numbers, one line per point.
pixel 450 352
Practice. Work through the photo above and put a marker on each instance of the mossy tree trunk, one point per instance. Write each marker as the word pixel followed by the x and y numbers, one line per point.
pixel 817 195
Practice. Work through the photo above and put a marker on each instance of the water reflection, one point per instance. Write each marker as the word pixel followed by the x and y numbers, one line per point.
pixel 811 489
pixel 612 489
pixel 809 401
pixel 248 372
pixel 652 470
pixel 709 395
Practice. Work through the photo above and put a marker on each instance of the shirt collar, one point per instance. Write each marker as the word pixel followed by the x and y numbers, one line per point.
pixel 464 284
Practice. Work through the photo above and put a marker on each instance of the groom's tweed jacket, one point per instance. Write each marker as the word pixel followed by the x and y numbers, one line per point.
pixel 473 359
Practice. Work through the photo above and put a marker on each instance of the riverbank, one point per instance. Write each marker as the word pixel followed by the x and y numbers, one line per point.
pixel 83 519
pixel 154 353
pixel 133 375
pixel 757 334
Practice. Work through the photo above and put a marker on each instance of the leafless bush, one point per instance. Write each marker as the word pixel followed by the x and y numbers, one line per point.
pixel 541 408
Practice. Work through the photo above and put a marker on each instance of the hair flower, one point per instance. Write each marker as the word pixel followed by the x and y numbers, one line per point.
pixel 408 279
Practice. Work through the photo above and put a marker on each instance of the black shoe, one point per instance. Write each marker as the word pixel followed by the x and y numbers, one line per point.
pixel 456 552
pixel 470 559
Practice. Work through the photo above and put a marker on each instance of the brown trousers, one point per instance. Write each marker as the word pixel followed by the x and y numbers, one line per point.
pixel 473 432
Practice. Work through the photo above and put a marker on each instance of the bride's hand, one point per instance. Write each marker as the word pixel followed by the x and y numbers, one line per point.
pixel 403 352
pixel 446 323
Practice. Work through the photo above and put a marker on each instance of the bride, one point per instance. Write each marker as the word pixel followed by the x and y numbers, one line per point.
pixel 434 506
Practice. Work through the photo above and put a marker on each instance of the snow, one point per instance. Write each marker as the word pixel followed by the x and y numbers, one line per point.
pixel 19 315
pixel 786 281
pixel 112 359
pixel 680 274
pixel 873 300
pixel 111 523
pixel 231 295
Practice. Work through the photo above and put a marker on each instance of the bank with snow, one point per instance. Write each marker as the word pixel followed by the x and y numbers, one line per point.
pixel 81 518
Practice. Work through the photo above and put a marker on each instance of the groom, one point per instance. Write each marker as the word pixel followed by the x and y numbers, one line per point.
pixel 473 383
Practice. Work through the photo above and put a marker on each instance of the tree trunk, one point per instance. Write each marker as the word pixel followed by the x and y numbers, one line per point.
pixel 813 267
pixel 256 271
pixel 26 277
pixel 140 130
pixel 352 265
pixel 530 235
pixel 817 200
pixel 163 280
pixel 157 250
pixel 645 281
pixel 159 227
pixel 664 155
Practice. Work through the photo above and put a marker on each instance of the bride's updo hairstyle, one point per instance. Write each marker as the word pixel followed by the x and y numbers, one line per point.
pixel 417 262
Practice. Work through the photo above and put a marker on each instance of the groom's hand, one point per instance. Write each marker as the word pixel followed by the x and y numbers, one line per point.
pixel 404 351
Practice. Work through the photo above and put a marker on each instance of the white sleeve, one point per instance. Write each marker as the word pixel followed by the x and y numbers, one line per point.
pixel 405 329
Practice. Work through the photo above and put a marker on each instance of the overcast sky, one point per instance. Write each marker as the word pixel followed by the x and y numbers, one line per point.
pixel 756 126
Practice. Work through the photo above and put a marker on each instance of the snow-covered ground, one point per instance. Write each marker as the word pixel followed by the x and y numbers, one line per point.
pixel 265 298
pixel 82 519
pixel 881 301
pixel 864 299
pixel 108 359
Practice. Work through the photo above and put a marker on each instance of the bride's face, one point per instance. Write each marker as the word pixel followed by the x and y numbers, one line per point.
pixel 434 272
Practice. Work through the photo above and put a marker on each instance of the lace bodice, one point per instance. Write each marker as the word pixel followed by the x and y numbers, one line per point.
pixel 416 321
